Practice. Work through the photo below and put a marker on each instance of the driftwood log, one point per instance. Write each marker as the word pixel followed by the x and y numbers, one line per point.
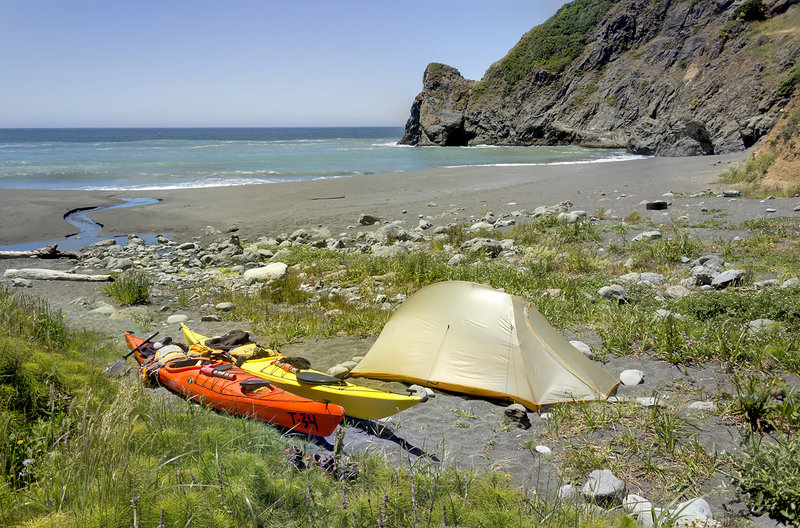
pixel 47 252
pixel 48 274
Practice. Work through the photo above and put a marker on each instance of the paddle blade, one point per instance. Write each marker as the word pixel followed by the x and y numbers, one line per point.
pixel 114 367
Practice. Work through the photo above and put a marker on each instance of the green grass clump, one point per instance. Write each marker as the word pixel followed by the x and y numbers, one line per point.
pixel 768 479
pixel 130 287
pixel 751 172
pixel 654 445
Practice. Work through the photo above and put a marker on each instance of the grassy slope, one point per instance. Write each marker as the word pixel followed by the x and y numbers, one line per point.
pixel 106 452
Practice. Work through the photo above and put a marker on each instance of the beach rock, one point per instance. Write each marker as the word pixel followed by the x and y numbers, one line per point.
pixel 583 348
pixel 551 210
pixel 647 235
pixel 456 259
pixel 567 492
pixel 119 263
pixel 757 326
pixel 677 292
pixel 603 486
pixel 209 318
pixel 418 391
pixel 490 246
pixel 766 283
pixel 708 260
pixel 666 314
pixel 703 406
pixel 338 371
pixel 20 283
pixel 224 306
pixel 615 292
pixel 636 504
pixel 389 252
pixel 367 219
pixel 629 277
pixel 391 233
pixel 480 225
pixel 727 278
pixel 631 377
pixel 542 449
pixel 270 272
pixel 651 278
pixel 103 308
pixel 790 283
pixel 177 318
pixel 704 275
pixel 569 218
pixel 648 401
pixel 695 510
pixel 516 414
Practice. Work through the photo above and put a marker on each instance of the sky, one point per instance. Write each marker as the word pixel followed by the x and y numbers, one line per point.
pixel 249 63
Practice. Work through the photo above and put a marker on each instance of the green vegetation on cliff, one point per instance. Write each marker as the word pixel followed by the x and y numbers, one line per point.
pixel 556 43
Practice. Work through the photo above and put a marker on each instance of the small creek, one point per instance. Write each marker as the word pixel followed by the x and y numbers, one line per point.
pixel 88 230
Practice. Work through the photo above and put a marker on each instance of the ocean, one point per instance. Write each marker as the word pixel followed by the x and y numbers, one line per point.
pixel 174 158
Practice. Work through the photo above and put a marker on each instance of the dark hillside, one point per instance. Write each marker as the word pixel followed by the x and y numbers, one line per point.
pixel 662 77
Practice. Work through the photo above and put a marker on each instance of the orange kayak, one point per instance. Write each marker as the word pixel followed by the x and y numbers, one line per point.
pixel 227 388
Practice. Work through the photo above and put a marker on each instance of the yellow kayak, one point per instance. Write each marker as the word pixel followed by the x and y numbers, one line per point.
pixel 358 402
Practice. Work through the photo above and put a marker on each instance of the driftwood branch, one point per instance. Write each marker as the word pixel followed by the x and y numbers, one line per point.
pixel 47 252
pixel 48 274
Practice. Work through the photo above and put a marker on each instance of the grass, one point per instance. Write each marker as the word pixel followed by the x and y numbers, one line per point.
pixel 130 287
pixel 105 452
pixel 654 447
pixel 80 449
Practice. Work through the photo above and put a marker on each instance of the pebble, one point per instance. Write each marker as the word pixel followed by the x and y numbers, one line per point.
pixel 177 318
pixel 703 406
pixel 615 292
pixel 631 377
pixel 603 485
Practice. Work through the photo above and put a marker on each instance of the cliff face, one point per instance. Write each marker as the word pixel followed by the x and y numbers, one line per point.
pixel 664 77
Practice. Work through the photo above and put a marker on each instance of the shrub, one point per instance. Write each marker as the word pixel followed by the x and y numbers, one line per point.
pixel 749 11
pixel 130 287
pixel 767 477
pixel 786 88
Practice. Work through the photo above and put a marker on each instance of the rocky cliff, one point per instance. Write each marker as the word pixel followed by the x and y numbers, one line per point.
pixel 663 77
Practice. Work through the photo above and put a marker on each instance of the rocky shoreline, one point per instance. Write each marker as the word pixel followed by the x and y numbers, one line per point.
pixel 467 433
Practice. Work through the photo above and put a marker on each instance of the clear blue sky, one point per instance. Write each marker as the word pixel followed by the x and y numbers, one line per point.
pixel 241 62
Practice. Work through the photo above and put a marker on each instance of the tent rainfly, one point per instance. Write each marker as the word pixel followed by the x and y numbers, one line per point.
pixel 470 338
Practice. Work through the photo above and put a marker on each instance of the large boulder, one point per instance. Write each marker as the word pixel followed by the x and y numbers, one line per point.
pixel 271 272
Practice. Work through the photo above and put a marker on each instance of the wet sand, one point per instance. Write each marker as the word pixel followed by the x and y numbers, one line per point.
pixel 270 209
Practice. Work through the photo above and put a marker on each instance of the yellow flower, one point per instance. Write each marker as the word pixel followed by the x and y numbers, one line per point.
pixel 20 442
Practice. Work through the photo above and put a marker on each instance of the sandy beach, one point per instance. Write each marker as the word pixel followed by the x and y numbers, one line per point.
pixel 269 209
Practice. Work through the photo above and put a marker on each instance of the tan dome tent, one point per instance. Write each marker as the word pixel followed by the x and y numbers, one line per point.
pixel 470 338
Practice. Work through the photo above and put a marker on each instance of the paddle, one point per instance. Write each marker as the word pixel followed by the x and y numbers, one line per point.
pixel 115 366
